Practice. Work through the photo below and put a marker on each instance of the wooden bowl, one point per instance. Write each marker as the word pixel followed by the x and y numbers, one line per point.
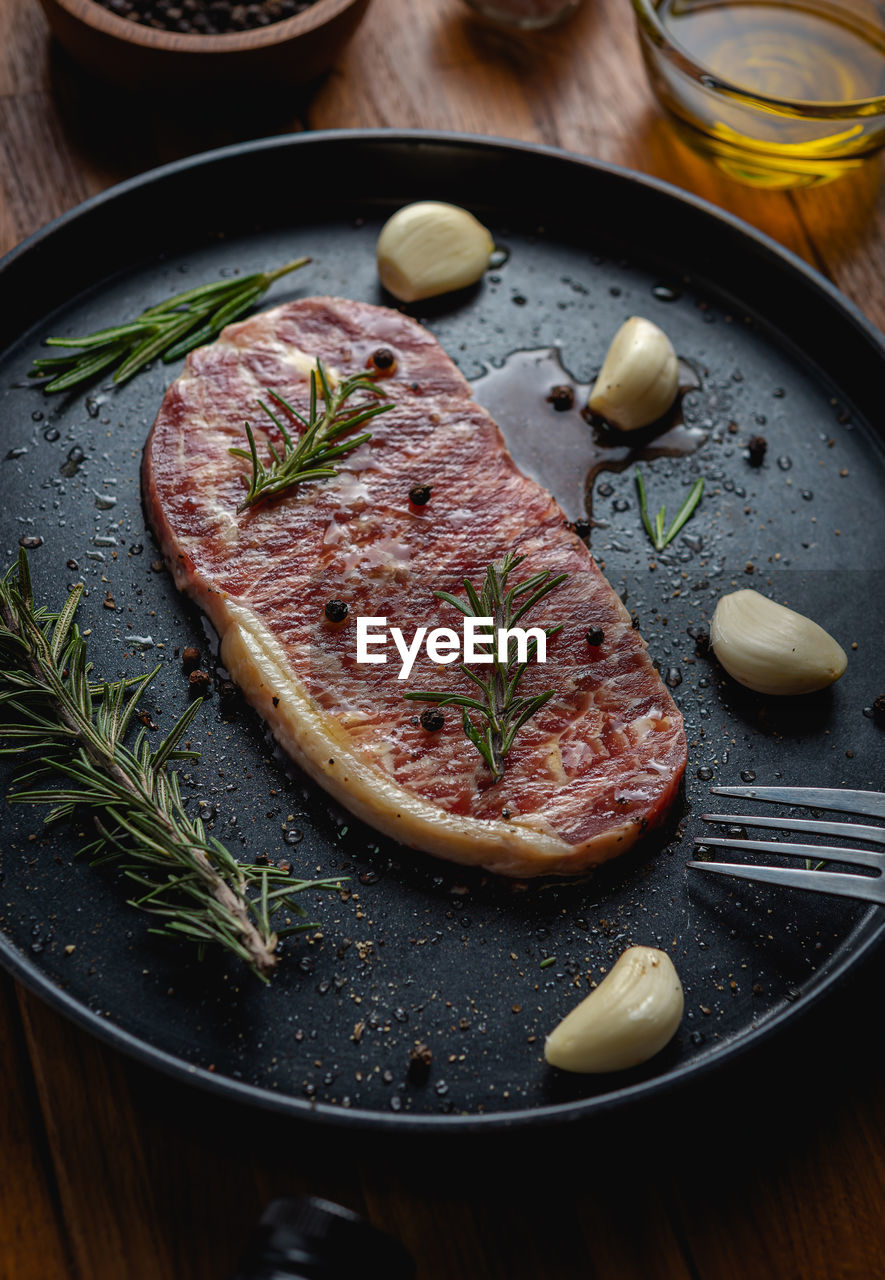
pixel 291 52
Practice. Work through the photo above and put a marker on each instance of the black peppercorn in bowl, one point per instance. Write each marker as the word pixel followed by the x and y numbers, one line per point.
pixel 183 44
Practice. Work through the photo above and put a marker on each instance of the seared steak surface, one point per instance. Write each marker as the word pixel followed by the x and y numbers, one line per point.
pixel 602 760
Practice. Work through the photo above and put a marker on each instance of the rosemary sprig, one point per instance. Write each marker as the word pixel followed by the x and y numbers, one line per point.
pixel 186 878
pixel 308 457
pixel 170 329
pixel 655 530
pixel 497 704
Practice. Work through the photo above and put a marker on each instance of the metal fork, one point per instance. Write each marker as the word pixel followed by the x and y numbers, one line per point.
pixel 869 804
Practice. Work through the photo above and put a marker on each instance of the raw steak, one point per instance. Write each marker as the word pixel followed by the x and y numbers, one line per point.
pixel 602 760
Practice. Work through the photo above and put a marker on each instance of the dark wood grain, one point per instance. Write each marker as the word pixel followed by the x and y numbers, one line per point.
pixel 30 1222
pixel 774 1172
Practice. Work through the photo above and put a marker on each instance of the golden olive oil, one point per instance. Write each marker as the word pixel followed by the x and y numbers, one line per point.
pixel 792 91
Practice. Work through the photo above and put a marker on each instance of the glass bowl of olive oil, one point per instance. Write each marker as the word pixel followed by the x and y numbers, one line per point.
pixel 778 93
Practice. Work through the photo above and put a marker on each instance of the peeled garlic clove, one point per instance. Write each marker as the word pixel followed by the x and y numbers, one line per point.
pixel 429 248
pixel 626 1020
pixel 639 377
pixel 772 649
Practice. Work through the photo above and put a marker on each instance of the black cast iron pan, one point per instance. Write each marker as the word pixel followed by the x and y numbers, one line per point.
pixel 479 969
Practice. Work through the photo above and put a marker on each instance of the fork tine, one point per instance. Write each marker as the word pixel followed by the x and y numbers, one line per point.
pixel 846 830
pixel 867 888
pixel 869 803
pixel 829 853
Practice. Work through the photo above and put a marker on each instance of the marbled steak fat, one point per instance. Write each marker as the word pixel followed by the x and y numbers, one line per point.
pixel 602 760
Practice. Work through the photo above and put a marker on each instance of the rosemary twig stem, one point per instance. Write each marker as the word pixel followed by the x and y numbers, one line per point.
pixel 169 329
pixel 307 457
pixel 188 879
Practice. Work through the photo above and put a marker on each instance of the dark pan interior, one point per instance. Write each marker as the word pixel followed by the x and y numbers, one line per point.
pixel 418 950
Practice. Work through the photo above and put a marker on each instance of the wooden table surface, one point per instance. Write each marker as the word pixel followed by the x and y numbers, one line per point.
pixel 109 1172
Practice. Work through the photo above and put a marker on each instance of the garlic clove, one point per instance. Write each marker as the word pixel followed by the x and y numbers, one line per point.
pixel 626 1020
pixel 772 649
pixel 429 248
pixel 639 377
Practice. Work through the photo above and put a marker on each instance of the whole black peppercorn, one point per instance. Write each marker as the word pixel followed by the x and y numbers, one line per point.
pixel 383 360
pixel 336 610
pixel 581 527
pixel 562 398
pixel 756 447
pixel 595 637
pixel 419 494
pixel 879 710
pixel 190 657
pixel 432 720
pixel 199 683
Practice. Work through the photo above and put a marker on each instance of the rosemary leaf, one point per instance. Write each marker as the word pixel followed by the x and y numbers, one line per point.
pixel 100 338
pixel 307 456
pixel 501 712
pixel 83 368
pixel 169 329
pixel 187 879
pixel 656 531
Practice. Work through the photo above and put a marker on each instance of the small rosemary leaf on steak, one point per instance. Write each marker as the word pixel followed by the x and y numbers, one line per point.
pixel 501 712
pixel 308 456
